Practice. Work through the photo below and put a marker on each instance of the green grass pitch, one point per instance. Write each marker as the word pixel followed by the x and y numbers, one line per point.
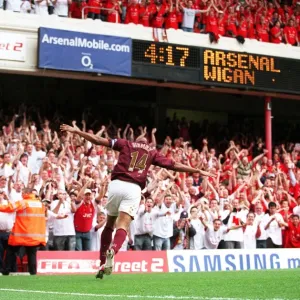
pixel 240 285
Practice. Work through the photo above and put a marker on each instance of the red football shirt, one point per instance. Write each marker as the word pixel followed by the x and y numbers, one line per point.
pixel 83 217
pixel 76 9
pixel 293 236
pixel 113 17
pixel 144 14
pixel 132 14
pixel 291 34
pixel 273 38
pixel 242 29
pixel 135 159
pixel 95 3
pixel 262 32
pixel 171 20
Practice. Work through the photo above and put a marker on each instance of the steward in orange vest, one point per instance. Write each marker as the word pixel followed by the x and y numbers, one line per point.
pixel 28 231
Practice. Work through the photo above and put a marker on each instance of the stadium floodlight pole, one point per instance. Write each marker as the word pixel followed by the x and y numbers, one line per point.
pixel 268 126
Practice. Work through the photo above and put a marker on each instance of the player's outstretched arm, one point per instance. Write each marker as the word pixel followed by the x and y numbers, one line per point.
pixel 184 168
pixel 88 136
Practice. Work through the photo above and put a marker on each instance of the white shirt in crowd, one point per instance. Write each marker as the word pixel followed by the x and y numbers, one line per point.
pixel 41 8
pixel 15 196
pixel 7 170
pixel 25 7
pixel 6 219
pixel 296 210
pixel 189 17
pixel 144 221
pixel 63 227
pixel 96 237
pixel 35 160
pixel 259 219
pixel 14 5
pixel 95 160
pixel 274 231
pixel 23 173
pixel 213 237
pixel 164 226
pixel 61 8
pixel 197 241
pixel 250 236
pixel 235 235
pixel 51 216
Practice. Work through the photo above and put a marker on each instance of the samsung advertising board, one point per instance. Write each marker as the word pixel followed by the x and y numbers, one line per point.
pixel 84 52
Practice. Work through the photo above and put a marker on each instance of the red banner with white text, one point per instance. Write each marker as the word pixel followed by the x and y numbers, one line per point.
pixel 73 262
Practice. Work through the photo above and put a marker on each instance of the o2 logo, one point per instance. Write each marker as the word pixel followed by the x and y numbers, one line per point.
pixel 86 61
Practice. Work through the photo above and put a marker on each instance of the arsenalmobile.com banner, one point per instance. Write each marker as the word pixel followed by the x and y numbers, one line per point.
pixel 84 52
pixel 74 262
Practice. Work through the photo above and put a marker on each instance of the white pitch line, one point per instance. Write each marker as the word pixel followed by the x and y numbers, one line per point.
pixel 129 296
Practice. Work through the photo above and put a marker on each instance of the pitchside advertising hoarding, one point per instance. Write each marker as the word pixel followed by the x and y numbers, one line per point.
pixel 170 261
pixel 84 52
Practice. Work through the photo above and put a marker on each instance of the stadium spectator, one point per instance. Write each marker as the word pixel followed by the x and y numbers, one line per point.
pixel 261 241
pixel 293 232
pixel 114 13
pixel 83 219
pixel 97 231
pixel 213 233
pixel 183 231
pixel 197 241
pixel 296 209
pixel 234 222
pixel 144 224
pixel 61 7
pixel 189 14
pixel 163 228
pixel 290 33
pixel 251 232
pixel 63 229
pixel 26 7
pixel 13 5
pixel 76 8
pixel 41 7
pixel 276 33
pixel 274 224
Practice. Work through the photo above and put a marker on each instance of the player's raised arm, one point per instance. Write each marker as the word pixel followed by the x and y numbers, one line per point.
pixel 88 136
pixel 184 168
pixel 163 162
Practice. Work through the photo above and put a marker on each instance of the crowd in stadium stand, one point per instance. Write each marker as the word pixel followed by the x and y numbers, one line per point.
pixel 250 202
pixel 267 21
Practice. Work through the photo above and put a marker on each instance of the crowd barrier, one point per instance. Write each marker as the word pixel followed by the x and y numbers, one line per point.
pixel 72 262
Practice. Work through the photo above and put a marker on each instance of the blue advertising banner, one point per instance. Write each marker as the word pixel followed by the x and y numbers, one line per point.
pixel 84 52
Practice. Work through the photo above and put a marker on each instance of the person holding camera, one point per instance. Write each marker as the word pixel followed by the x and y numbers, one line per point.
pixel 183 231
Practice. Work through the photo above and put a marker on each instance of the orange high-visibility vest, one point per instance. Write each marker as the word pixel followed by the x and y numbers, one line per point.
pixel 30 225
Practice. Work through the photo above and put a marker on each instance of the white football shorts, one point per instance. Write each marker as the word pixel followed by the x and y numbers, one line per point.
pixel 123 196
